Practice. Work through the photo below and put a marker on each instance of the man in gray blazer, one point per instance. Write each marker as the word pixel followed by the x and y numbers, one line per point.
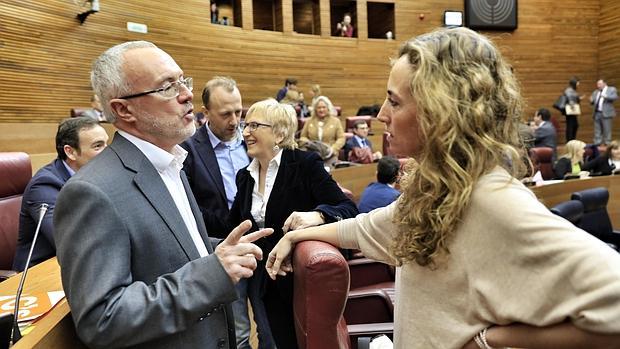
pixel 602 103
pixel 544 133
pixel 137 265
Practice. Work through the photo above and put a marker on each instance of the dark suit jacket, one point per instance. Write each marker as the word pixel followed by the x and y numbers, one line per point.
pixel 545 136
pixel 131 272
pixel 302 184
pixel 352 143
pixel 599 165
pixel 43 188
pixel 562 167
pixel 205 179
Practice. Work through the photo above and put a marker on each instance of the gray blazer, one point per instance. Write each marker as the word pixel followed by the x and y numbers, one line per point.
pixel 545 136
pixel 131 272
pixel 611 94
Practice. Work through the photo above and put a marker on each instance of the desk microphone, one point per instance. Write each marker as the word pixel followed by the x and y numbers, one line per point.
pixel 16 334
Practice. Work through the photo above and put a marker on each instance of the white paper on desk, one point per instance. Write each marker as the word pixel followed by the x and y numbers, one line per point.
pixel 538 178
pixel 31 306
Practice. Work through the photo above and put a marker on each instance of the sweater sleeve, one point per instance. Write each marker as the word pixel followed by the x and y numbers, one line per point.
pixel 372 233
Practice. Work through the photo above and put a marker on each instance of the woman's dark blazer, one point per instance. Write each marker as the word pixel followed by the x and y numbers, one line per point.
pixel 599 165
pixel 302 184
pixel 564 166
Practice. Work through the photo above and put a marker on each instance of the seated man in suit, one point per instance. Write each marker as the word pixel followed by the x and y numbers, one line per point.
pixel 382 192
pixel 78 140
pixel 544 132
pixel 360 140
pixel 137 265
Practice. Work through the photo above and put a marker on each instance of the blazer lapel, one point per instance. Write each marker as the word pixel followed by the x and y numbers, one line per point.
pixel 207 154
pixel 151 185
pixel 286 180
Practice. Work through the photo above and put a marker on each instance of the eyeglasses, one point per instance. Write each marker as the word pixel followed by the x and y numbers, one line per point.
pixel 169 91
pixel 253 126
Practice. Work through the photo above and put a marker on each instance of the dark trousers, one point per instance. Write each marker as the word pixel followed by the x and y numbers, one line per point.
pixel 256 291
pixel 279 304
pixel 571 127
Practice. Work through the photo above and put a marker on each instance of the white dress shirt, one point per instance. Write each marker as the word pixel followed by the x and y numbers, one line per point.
pixel 169 166
pixel 259 201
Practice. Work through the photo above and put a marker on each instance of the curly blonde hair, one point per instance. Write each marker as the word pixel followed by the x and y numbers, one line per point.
pixel 468 109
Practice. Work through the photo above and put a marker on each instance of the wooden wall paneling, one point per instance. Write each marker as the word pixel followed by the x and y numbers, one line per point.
pixel 247 14
pixel 609 50
pixel 325 13
pixel 361 26
pixel 316 17
pixel 279 13
pixel 45 55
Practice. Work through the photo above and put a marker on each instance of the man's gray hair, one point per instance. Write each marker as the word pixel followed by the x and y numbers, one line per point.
pixel 108 77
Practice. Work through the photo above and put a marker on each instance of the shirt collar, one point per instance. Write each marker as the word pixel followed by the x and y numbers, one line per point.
pixel 215 141
pixel 160 158
pixel 254 165
pixel 69 169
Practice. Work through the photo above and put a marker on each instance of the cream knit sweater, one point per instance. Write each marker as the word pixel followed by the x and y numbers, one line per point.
pixel 510 260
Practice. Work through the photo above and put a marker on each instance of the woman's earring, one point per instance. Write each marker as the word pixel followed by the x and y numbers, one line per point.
pixel 276 148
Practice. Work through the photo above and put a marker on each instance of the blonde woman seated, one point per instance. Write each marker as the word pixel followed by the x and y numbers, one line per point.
pixel 571 163
pixel 323 126
pixel 483 263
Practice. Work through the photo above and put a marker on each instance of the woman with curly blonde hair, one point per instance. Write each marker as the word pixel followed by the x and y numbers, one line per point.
pixel 483 263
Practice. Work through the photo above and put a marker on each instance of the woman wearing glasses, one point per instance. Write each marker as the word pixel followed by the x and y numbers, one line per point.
pixel 283 188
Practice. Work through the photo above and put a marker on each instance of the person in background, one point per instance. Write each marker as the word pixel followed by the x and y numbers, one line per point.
pixel 544 133
pixel 345 28
pixel 315 92
pixel 483 264
pixel 572 98
pixel 289 83
pixel 602 101
pixel 382 192
pixel 572 161
pixel 360 140
pixel 607 163
pixel 96 112
pixel 283 188
pixel 215 13
pixel 215 153
pixel 137 265
pixel 78 140
pixel 323 126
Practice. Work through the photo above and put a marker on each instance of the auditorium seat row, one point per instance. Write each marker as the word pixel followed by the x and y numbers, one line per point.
pixel 587 210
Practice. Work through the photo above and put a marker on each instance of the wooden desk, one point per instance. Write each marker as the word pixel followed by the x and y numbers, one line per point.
pixel 552 194
pixel 55 329
pixel 356 178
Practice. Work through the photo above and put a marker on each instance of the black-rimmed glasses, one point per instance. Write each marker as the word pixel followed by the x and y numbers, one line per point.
pixel 253 125
pixel 170 91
